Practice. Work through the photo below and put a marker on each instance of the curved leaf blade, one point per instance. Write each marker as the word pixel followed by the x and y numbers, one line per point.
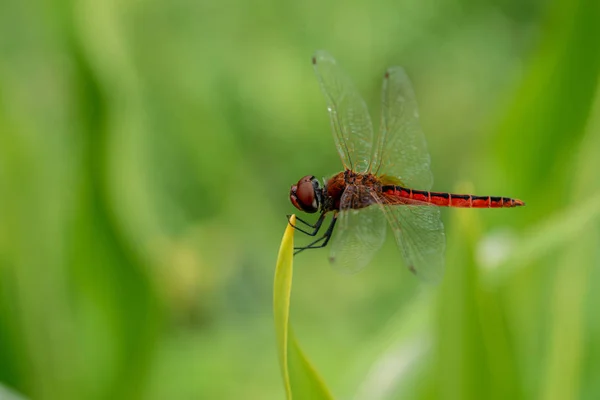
pixel 300 379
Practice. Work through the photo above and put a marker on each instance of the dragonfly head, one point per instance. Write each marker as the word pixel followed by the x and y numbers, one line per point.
pixel 307 194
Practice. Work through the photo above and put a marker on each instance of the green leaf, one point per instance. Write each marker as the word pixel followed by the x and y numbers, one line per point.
pixel 567 343
pixel 300 378
pixel 549 115
pixel 8 394
pixel 539 240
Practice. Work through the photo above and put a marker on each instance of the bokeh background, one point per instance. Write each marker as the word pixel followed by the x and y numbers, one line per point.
pixel 146 154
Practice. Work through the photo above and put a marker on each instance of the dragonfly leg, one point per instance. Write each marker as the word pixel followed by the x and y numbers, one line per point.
pixel 324 239
pixel 305 222
pixel 315 227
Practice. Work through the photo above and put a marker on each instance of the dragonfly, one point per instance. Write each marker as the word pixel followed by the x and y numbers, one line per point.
pixel 387 178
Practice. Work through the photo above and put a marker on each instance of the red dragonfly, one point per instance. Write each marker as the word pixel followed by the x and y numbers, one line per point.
pixel 378 179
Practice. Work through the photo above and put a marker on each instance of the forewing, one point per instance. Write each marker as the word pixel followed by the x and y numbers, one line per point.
pixel 359 233
pixel 419 232
pixel 350 120
pixel 401 150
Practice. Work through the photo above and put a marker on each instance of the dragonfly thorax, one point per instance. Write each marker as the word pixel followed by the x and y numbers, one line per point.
pixel 307 194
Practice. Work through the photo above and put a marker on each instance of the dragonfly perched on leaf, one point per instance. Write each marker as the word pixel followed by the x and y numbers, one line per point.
pixel 387 179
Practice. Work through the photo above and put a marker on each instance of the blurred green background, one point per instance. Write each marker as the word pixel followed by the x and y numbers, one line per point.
pixel 146 153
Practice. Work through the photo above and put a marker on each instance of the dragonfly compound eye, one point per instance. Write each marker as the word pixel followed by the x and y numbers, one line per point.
pixel 304 195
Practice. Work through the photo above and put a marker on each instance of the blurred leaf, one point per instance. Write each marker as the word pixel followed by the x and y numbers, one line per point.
pixel 79 312
pixel 548 117
pixel 393 361
pixel 566 342
pixel 524 250
pixel 567 348
pixel 7 394
pixel 300 379
pixel 139 138
pixel 474 359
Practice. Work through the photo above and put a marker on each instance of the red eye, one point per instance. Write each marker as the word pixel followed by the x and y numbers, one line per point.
pixel 293 197
pixel 303 195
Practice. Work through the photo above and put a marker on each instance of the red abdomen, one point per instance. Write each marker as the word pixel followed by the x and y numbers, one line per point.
pixel 400 195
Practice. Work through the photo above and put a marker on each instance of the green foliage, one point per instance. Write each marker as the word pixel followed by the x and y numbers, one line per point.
pixel 146 153
pixel 300 379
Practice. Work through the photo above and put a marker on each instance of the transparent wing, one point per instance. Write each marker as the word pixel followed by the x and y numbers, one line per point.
pixel 359 233
pixel 350 120
pixel 401 150
pixel 419 232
